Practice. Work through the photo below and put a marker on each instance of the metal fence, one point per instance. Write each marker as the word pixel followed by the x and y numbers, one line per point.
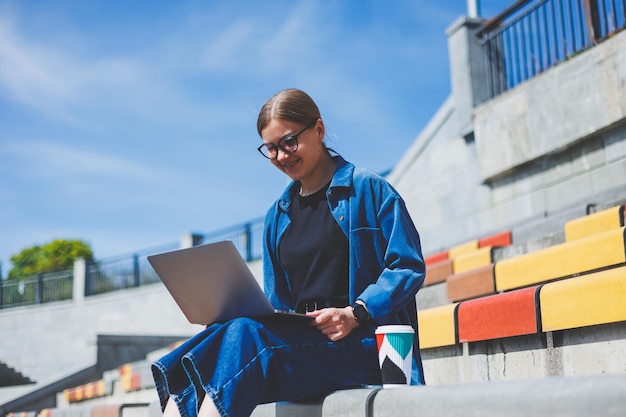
pixel 122 272
pixel 43 288
pixel 532 36
pixel 247 237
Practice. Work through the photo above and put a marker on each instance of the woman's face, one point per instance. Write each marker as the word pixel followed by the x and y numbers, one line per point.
pixel 302 163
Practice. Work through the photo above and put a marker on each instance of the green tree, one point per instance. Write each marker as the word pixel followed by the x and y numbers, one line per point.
pixel 58 255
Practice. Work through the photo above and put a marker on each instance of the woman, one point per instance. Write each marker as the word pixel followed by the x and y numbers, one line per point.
pixel 339 245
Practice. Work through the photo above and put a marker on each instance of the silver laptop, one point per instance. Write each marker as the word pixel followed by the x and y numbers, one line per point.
pixel 212 283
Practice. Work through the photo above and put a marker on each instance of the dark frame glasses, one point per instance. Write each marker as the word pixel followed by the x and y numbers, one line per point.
pixel 288 143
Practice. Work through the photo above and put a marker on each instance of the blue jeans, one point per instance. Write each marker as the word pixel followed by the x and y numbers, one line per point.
pixel 246 362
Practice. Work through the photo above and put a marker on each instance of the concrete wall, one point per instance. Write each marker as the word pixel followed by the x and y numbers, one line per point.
pixel 439 180
pixel 591 351
pixel 530 160
pixel 53 340
pixel 565 104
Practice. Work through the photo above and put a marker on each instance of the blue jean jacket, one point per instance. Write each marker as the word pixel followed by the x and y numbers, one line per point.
pixel 386 263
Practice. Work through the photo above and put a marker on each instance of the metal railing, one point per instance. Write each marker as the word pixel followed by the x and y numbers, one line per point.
pixel 134 270
pixel 532 36
pixel 43 288
pixel 122 272
pixel 247 237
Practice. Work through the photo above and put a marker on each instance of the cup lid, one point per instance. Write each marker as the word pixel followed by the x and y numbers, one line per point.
pixel 394 328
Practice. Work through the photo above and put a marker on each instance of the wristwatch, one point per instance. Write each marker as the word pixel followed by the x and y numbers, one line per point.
pixel 360 313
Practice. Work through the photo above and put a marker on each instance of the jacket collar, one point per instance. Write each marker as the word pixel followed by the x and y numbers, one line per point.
pixel 341 178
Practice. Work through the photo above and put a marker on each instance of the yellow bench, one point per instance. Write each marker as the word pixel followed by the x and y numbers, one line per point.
pixel 466 247
pixel 437 326
pixel 597 298
pixel 595 223
pixel 472 260
pixel 560 261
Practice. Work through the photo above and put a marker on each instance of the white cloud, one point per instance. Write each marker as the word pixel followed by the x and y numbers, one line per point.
pixel 34 75
pixel 291 45
pixel 45 159
pixel 297 48
pixel 224 52
pixel 76 86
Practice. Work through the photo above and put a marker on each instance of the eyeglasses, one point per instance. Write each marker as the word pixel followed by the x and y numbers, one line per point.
pixel 288 143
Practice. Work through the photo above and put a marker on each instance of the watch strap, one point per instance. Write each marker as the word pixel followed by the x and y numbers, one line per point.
pixel 360 313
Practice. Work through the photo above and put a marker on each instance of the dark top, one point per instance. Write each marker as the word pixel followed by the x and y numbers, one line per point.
pixel 315 255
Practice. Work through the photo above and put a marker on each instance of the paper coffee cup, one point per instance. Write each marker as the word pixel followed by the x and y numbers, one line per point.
pixel 395 354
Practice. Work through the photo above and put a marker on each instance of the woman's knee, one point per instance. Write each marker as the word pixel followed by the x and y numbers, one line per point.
pixel 208 408
pixel 243 325
pixel 171 409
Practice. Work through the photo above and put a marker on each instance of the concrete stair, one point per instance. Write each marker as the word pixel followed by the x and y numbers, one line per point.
pixel 11 377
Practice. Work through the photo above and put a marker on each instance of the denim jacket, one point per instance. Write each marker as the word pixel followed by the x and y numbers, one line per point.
pixel 386 264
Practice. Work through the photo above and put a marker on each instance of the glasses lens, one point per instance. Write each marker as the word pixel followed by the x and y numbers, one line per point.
pixel 268 150
pixel 290 143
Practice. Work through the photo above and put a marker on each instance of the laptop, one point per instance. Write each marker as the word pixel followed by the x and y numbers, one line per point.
pixel 212 283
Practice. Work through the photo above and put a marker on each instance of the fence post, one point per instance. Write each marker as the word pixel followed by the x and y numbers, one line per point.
pixel 80 276
pixel 593 20
pixel 248 237
pixel 1 293
pixel 190 239
pixel 136 270
pixel 39 292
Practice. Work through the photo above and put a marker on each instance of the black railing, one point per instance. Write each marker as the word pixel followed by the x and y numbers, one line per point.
pixel 121 272
pixel 532 36
pixel 40 289
pixel 247 237
pixel 134 270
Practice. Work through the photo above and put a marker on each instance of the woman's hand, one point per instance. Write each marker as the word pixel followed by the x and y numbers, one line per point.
pixel 335 323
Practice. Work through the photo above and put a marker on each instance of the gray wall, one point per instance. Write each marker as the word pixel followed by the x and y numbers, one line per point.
pixel 570 102
pixel 54 340
pixel 531 158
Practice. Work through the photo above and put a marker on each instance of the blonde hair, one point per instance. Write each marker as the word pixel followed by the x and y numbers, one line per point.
pixel 290 104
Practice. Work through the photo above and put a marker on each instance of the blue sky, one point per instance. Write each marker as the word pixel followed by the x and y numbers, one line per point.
pixel 130 123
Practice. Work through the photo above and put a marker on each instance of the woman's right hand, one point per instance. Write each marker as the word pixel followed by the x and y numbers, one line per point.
pixel 335 323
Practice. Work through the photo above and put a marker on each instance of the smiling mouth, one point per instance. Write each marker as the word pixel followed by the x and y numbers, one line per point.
pixel 290 164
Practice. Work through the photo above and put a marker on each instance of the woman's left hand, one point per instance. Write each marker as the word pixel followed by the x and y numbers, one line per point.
pixel 335 323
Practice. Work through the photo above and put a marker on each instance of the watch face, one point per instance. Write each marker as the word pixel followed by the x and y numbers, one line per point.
pixel 360 314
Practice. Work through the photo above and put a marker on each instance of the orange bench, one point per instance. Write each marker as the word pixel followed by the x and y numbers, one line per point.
pixel 438 272
pixel 435 258
pixel 497 316
pixel 474 283
pixel 498 240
